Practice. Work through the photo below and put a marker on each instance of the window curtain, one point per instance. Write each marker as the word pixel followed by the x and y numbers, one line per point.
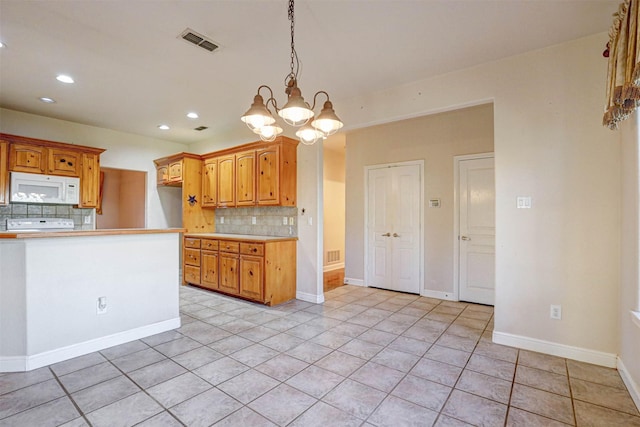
pixel 623 77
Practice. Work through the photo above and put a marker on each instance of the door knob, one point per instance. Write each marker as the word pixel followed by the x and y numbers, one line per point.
pixel 386 234
pixel 465 238
pixel 396 235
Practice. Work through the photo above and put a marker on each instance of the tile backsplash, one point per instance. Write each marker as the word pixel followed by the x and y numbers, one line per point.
pixel 28 210
pixel 269 221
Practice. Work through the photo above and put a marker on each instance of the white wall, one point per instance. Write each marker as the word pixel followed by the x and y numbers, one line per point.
pixel 550 145
pixel 124 151
pixel 630 288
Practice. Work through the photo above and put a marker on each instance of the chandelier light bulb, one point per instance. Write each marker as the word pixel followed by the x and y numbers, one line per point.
pixel 327 121
pixel 258 116
pixel 308 135
pixel 269 133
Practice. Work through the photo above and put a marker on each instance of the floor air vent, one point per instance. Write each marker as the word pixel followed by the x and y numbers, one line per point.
pixel 198 39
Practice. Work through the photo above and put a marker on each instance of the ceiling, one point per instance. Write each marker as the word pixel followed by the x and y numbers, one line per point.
pixel 132 72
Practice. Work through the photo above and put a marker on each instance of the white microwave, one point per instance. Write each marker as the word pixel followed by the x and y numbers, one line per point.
pixel 36 188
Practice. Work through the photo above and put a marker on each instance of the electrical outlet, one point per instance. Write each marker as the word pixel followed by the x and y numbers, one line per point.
pixel 556 312
pixel 253 220
pixel 87 219
pixel 291 221
pixel 285 221
pixel 101 306
pixel 221 220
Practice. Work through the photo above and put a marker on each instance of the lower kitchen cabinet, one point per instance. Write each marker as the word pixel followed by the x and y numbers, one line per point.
pixel 251 280
pixel 261 270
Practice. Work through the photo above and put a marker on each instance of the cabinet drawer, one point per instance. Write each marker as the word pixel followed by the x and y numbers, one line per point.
pixel 228 246
pixel 252 249
pixel 209 245
pixel 192 274
pixel 192 257
pixel 190 242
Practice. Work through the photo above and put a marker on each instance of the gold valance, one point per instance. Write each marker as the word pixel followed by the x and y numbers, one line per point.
pixel 623 77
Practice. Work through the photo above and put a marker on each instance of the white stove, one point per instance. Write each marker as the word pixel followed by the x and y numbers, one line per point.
pixel 39 224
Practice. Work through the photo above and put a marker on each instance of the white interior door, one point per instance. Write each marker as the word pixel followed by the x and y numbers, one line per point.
pixel 477 230
pixel 394 227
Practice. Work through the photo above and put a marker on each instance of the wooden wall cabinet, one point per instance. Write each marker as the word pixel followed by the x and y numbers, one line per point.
pixel 4 172
pixel 56 158
pixel 90 181
pixel 210 183
pixel 185 170
pixel 263 272
pixel 64 162
pixel 227 181
pixel 27 158
pixel 246 178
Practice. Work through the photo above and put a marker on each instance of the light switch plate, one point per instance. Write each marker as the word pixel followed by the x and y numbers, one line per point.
pixel 523 202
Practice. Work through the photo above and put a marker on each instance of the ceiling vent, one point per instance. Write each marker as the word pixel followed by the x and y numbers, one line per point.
pixel 200 128
pixel 198 39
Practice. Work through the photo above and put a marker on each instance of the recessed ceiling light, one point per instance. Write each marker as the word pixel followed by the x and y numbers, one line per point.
pixel 2 44
pixel 64 78
pixel 163 127
pixel 47 100
pixel 192 115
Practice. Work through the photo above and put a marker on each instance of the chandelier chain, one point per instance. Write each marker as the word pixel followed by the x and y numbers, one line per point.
pixel 294 54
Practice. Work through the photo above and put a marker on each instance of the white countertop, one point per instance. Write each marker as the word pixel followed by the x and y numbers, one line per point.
pixel 247 237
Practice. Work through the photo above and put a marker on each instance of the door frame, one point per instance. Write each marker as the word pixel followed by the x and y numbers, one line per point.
pixel 420 164
pixel 456 214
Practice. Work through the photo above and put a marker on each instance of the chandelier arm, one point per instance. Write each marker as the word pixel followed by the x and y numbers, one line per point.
pixel 316 95
pixel 274 103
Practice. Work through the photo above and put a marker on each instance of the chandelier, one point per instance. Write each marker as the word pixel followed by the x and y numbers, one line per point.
pixel 296 112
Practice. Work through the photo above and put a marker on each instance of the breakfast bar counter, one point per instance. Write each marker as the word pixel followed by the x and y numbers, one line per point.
pixel 65 294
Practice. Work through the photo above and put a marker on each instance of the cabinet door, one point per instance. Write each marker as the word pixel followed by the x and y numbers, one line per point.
pixel 27 158
pixel 246 178
pixel 228 270
pixel 4 173
pixel 209 268
pixel 175 171
pixel 162 174
pixel 268 181
pixel 226 181
pixel 251 273
pixel 210 183
pixel 90 180
pixel 192 274
pixel 64 162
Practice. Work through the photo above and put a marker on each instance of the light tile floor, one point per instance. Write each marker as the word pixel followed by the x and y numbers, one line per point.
pixel 365 357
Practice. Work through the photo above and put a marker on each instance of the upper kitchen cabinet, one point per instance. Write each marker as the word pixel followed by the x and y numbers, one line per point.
pixel 246 178
pixel 169 170
pixel 64 162
pixel 185 170
pixel 210 183
pixel 90 185
pixel 27 158
pixel 53 158
pixel 4 172
pixel 255 174
pixel 277 172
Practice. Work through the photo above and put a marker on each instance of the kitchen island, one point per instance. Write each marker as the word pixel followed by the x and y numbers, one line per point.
pixel 65 294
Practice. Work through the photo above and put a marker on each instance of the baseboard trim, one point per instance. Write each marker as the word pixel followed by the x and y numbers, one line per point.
pixel 304 296
pixel 448 296
pixel 28 363
pixel 632 386
pixel 355 282
pixel 331 267
pixel 562 350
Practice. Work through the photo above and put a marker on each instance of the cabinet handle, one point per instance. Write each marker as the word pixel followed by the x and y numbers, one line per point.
pixel 255 249
pixel 386 235
pixel 396 235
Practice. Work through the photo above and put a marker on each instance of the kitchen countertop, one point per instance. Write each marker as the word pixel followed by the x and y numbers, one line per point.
pixel 81 233
pixel 246 237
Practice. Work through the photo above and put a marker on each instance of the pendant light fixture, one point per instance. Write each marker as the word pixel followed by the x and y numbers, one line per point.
pixel 296 112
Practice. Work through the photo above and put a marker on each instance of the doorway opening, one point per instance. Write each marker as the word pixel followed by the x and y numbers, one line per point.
pixel 123 195
pixel 334 152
